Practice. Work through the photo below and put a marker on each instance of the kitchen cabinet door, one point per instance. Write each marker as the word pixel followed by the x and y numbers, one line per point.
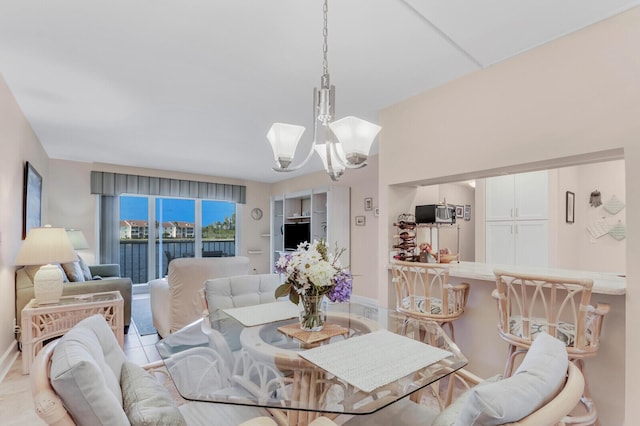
pixel 500 243
pixel 524 196
pixel 523 243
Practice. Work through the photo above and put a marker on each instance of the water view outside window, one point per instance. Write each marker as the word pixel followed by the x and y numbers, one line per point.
pixel 145 251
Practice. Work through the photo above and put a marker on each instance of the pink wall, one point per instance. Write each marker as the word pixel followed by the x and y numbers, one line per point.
pixel 576 96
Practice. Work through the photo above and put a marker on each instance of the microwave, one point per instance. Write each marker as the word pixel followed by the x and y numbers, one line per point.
pixel 436 213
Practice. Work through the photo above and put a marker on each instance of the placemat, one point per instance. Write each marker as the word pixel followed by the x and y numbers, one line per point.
pixel 328 331
pixel 374 359
pixel 264 313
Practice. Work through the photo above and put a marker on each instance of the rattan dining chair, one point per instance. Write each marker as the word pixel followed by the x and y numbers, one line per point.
pixel 531 304
pixel 423 292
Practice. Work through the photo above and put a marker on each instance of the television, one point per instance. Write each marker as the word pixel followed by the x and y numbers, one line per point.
pixel 296 233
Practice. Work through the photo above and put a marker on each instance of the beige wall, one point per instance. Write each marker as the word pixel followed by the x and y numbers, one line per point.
pixel 73 206
pixel 364 239
pixel 576 96
pixel 19 144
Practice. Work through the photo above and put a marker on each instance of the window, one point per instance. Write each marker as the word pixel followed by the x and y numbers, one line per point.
pixel 181 227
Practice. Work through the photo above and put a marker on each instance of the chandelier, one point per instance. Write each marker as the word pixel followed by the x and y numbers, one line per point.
pixel 346 142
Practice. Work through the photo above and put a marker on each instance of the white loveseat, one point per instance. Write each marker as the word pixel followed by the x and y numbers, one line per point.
pixel 176 300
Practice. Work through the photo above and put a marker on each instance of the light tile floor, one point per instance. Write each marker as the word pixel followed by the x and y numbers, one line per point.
pixel 16 403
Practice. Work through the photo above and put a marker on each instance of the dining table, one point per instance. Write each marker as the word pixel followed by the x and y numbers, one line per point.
pixel 259 356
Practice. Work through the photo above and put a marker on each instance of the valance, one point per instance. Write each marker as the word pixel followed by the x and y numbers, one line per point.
pixel 113 184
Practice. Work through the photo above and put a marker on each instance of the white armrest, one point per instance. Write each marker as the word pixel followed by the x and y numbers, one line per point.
pixel 159 297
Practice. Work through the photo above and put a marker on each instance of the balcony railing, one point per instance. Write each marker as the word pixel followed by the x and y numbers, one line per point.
pixel 134 255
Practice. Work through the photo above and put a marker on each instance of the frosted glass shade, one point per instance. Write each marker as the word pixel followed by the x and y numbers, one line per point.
pixel 338 168
pixel 284 139
pixel 356 136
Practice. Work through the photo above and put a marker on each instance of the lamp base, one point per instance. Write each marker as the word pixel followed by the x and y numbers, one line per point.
pixel 47 284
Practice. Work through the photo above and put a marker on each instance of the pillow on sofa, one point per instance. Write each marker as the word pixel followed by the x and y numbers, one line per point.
pixel 145 401
pixel 535 382
pixel 85 269
pixel 74 271
pixel 33 269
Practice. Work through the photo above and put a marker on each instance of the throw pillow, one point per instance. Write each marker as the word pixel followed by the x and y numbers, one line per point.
pixel 85 269
pixel 85 372
pixel 535 382
pixel 74 271
pixel 145 401
pixel 449 415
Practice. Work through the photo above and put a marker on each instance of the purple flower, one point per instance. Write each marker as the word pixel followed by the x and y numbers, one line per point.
pixel 341 291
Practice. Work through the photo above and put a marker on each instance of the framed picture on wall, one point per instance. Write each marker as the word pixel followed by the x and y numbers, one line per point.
pixel 459 212
pixel 360 220
pixel 368 204
pixel 571 204
pixel 467 212
pixel 32 199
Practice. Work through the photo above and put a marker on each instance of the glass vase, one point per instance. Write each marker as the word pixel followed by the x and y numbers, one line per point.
pixel 311 316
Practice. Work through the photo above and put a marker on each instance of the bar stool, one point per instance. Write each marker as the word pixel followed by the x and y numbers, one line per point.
pixel 530 304
pixel 423 292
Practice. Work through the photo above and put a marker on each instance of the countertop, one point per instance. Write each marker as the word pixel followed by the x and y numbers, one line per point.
pixel 603 282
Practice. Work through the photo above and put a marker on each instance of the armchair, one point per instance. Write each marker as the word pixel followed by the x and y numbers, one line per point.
pixel 175 300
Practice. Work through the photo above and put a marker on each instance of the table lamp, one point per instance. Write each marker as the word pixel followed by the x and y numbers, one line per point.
pixel 78 241
pixel 44 246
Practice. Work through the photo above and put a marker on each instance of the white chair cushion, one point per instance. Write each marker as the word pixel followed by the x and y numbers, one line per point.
pixel 145 400
pixel 535 382
pixel 449 415
pixel 85 373
pixel 421 306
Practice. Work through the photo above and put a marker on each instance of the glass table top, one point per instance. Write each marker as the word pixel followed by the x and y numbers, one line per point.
pixel 223 361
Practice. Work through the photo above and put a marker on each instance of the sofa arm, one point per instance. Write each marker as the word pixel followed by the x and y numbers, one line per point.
pixel 105 270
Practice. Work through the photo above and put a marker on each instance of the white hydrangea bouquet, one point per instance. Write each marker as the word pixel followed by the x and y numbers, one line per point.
pixel 311 272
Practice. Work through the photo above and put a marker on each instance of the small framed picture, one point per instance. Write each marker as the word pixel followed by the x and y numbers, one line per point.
pixel 460 211
pixel 376 211
pixel 571 204
pixel 467 212
pixel 368 204
pixel 361 220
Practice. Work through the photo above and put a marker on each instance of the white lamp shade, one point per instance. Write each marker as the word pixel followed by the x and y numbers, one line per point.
pixel 284 139
pixel 356 136
pixel 336 165
pixel 46 245
pixel 78 241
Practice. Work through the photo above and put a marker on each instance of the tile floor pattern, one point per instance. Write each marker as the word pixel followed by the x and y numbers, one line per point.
pixel 16 403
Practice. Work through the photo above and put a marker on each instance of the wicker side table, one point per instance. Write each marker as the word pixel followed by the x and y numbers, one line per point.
pixel 43 322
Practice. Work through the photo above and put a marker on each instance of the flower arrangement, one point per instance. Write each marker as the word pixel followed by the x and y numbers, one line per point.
pixel 311 272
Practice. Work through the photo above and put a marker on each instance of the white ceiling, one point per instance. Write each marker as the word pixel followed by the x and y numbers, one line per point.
pixel 194 85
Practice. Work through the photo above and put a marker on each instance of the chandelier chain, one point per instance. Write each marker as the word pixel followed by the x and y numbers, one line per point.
pixel 325 45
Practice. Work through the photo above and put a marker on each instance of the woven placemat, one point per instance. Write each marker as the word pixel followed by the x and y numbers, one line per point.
pixel 328 331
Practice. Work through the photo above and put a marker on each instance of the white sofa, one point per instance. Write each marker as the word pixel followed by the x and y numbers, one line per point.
pixel 176 301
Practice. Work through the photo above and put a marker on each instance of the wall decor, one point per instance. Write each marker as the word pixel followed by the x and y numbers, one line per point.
pixel 595 199
pixel 614 205
pixel 571 204
pixel 376 211
pixel 467 212
pixel 361 220
pixel 32 200
pixel 460 211
pixel 368 204
pixel 256 213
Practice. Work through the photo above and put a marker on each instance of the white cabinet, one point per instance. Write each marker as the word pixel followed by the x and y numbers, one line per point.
pixel 326 212
pixel 522 242
pixel 523 196
pixel 517 212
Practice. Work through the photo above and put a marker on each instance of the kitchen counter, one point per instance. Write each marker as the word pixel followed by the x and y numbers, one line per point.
pixel 603 282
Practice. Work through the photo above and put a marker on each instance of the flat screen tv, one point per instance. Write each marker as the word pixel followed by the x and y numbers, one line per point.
pixel 296 233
